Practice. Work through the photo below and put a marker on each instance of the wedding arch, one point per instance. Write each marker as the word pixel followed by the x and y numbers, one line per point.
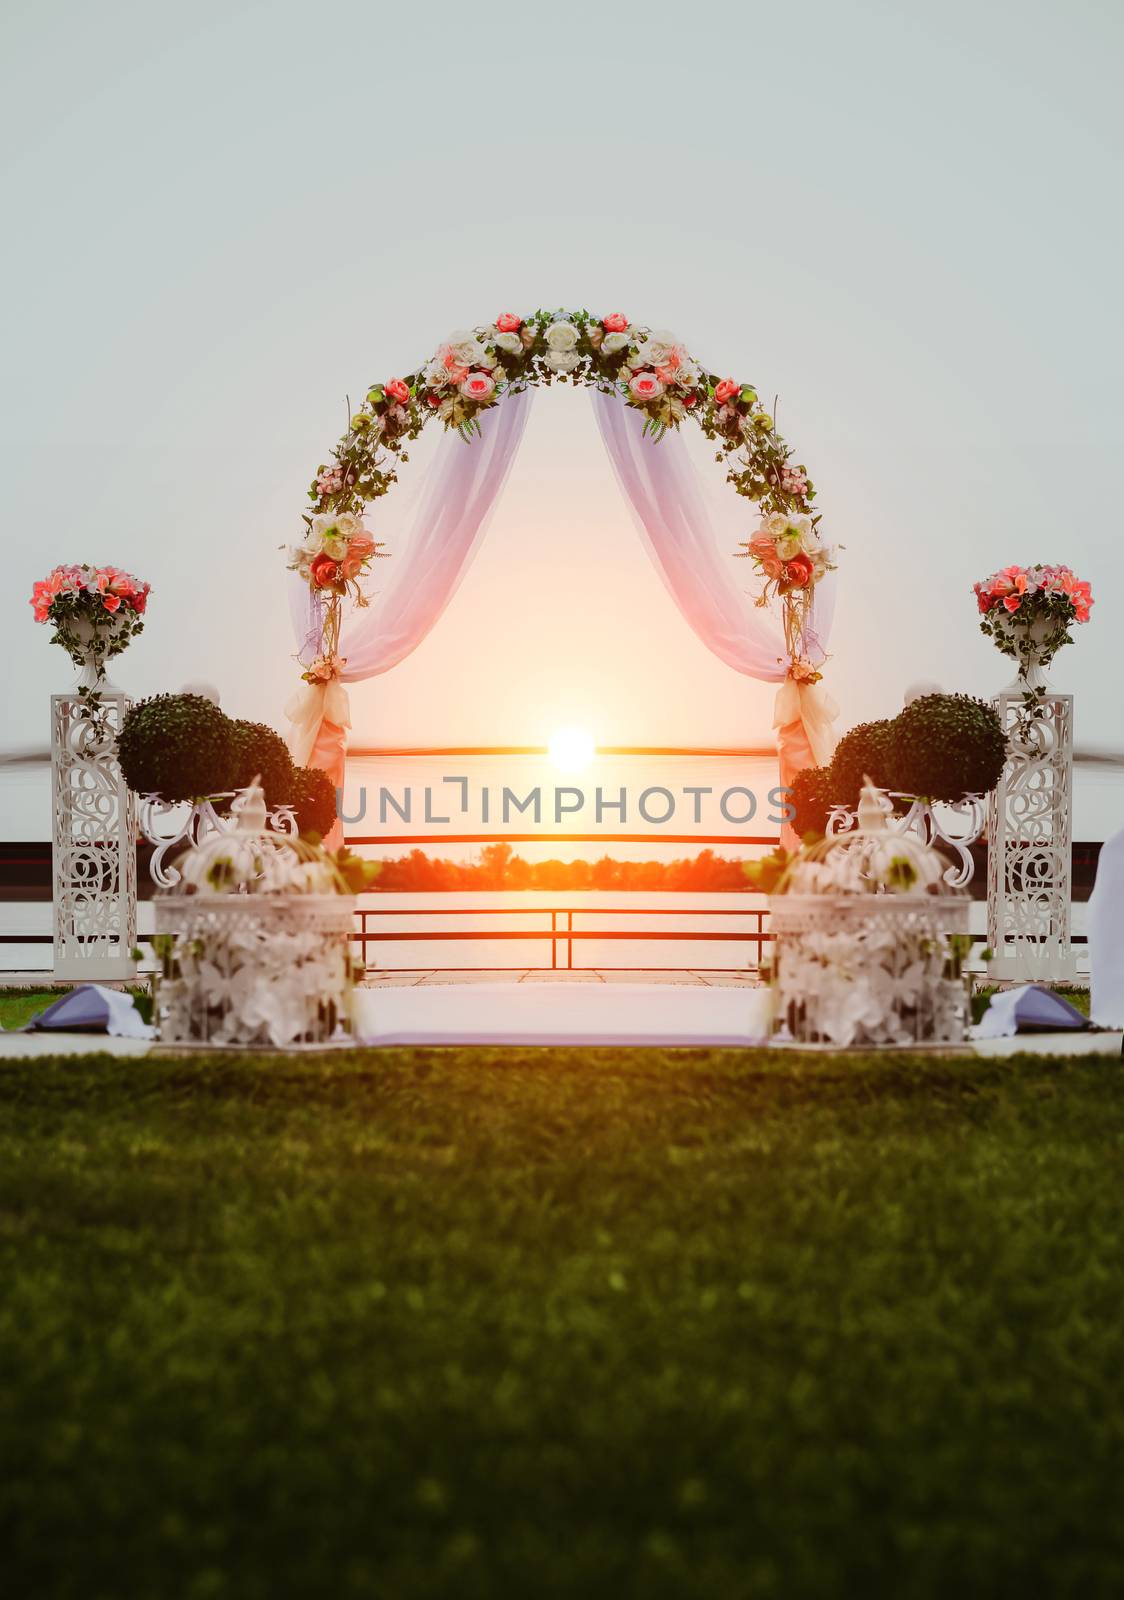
pixel 645 385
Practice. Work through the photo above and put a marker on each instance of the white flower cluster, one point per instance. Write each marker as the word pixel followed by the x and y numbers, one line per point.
pixel 464 366
pixel 252 983
pixel 877 985
pixel 341 536
pixel 561 340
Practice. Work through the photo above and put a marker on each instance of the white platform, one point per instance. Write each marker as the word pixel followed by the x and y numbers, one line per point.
pixel 561 1013
pixel 564 1013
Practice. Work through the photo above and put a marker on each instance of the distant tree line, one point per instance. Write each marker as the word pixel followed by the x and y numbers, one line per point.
pixel 498 867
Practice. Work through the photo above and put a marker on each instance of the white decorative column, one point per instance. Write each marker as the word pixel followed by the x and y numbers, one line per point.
pixel 94 853
pixel 1029 838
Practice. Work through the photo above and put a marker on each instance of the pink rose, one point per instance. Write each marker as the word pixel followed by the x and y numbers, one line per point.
pixel 764 552
pixel 361 545
pixel 508 322
pixel 615 322
pixel 478 386
pixel 798 572
pixel 726 390
pixel 397 390
pixel 804 672
pixel 457 372
pixel 645 386
pixel 324 573
pixel 324 669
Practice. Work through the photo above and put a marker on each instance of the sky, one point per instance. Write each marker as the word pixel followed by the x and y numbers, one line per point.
pixel 222 219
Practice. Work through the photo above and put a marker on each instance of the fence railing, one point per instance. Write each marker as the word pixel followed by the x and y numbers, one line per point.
pixel 562 936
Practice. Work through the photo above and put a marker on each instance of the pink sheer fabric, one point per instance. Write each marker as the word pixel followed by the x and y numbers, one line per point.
pixel 450 521
pixel 661 485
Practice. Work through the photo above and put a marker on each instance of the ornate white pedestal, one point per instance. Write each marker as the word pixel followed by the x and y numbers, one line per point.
pixel 1029 838
pixel 94 841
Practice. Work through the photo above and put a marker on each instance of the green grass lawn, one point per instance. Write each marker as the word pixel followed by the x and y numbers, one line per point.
pixel 18 1006
pixel 542 1323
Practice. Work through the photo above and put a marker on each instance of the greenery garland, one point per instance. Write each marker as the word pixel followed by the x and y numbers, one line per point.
pixel 474 369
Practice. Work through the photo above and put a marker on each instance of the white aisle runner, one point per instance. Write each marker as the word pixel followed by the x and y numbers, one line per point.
pixel 563 1013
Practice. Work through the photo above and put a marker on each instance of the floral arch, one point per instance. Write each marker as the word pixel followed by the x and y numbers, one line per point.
pixel 646 385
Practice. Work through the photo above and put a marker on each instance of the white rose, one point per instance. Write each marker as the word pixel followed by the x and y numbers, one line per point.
pixel 687 375
pixel 511 342
pixel 655 348
pixel 562 336
pixel 466 347
pixel 612 342
pixel 344 523
pixel 562 360
pixel 809 539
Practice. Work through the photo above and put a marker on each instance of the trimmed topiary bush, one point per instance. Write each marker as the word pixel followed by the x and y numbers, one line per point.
pixel 811 794
pixel 948 745
pixel 867 751
pixel 178 746
pixel 261 753
pixel 313 799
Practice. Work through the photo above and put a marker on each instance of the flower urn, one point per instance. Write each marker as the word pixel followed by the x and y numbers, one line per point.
pixel 1033 644
pixel 254 941
pixel 870 941
pixel 90 643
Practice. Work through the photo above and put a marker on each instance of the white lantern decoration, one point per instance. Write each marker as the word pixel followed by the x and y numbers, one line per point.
pixel 870 940
pixel 254 940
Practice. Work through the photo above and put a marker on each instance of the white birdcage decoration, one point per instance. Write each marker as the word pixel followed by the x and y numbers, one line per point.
pixel 254 940
pixel 870 940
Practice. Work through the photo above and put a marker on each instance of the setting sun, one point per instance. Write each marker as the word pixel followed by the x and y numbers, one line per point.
pixel 571 749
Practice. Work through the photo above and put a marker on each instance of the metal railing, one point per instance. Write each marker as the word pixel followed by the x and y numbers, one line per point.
pixel 562 935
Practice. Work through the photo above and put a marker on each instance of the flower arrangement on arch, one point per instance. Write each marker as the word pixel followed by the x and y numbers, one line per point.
pixel 1025 609
pixel 335 553
pixel 791 558
pixel 95 610
pixel 650 369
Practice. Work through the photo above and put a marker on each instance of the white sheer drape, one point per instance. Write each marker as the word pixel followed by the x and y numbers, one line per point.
pixel 460 493
pixel 710 589
pixel 451 517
